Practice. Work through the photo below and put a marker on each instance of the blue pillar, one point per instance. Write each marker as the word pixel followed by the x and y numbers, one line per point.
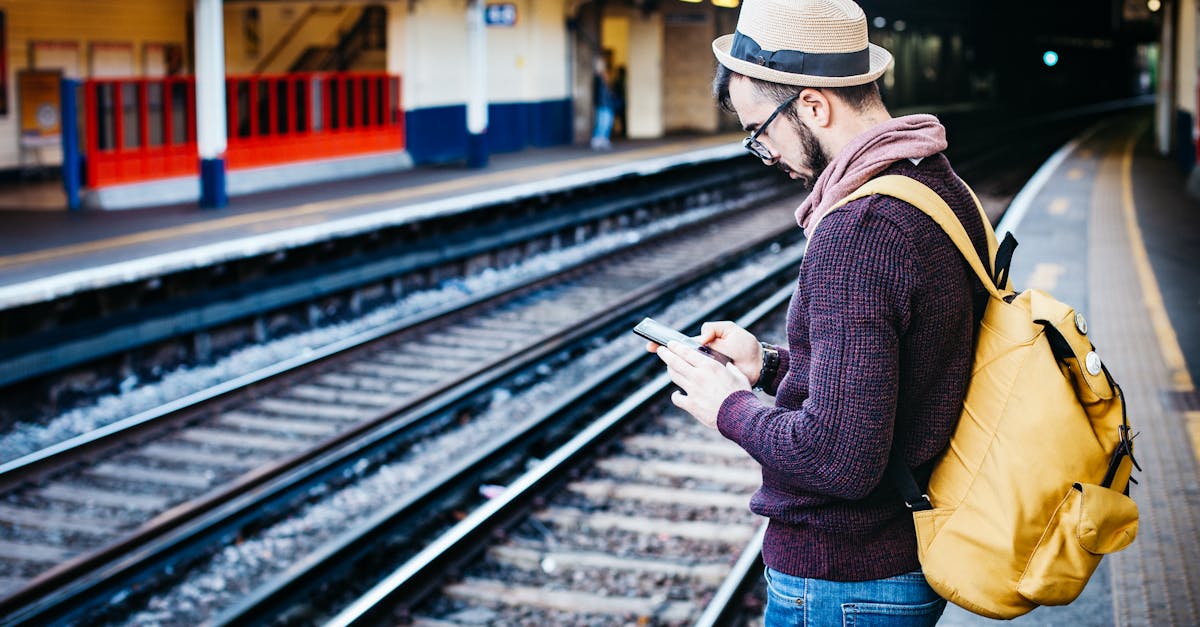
pixel 212 183
pixel 72 160
pixel 477 150
pixel 1185 152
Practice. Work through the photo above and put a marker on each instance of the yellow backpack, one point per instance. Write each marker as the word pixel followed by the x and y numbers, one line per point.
pixel 1032 490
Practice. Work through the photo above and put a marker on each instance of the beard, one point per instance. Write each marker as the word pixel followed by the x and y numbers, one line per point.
pixel 815 159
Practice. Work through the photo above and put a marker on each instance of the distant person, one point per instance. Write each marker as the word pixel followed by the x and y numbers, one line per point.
pixel 603 100
pixel 620 128
pixel 880 329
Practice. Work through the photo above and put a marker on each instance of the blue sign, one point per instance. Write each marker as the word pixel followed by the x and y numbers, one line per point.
pixel 500 14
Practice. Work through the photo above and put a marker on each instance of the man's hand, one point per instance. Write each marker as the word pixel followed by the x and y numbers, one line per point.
pixel 736 343
pixel 704 381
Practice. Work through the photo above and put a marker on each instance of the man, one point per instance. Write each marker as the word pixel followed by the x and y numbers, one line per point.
pixel 880 328
pixel 603 100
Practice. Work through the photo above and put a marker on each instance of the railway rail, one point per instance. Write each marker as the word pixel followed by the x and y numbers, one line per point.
pixel 94 529
pixel 587 537
pixel 85 509
pixel 399 525
pixel 68 351
pixel 638 519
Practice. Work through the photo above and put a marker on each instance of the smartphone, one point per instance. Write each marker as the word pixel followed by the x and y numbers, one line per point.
pixel 660 334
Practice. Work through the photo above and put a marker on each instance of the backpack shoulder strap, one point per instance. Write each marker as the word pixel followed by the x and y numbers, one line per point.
pixel 988 231
pixel 920 196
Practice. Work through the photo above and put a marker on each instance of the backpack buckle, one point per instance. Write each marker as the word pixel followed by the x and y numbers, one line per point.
pixel 921 505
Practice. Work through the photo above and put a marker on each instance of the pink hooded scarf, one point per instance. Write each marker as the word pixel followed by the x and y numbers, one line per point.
pixel 908 137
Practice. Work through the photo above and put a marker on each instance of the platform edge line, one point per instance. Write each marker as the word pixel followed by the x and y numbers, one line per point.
pixel 1164 331
pixel 65 283
pixel 1020 203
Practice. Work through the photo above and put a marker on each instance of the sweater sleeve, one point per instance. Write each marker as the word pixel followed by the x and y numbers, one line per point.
pixel 858 282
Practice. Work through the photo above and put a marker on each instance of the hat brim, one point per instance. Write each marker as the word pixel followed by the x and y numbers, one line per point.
pixel 880 60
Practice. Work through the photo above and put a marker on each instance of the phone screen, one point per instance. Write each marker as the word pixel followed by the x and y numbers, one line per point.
pixel 661 334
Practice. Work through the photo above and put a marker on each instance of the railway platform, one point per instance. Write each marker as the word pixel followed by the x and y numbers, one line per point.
pixel 1106 226
pixel 47 254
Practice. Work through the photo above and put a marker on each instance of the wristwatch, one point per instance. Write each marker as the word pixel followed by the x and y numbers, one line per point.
pixel 770 365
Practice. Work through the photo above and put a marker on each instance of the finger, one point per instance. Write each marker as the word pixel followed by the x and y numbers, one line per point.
pixel 682 401
pixel 681 376
pixel 720 328
pixel 737 373
pixel 714 330
pixel 672 359
pixel 687 353
pixel 678 369
pixel 652 347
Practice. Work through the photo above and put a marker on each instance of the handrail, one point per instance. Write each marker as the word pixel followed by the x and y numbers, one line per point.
pixel 279 115
pixel 340 56
pixel 358 39
pixel 287 38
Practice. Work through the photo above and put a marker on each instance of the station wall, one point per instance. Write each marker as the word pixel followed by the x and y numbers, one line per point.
pixel 645 97
pixel 635 40
pixel 528 95
pixel 667 54
pixel 529 102
pixel 688 103
pixel 83 38
pixel 271 37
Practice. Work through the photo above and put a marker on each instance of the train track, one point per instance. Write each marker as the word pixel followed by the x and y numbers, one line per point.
pixel 615 527
pixel 66 353
pixel 638 519
pixel 305 592
pixel 645 535
pixel 77 514
pixel 113 516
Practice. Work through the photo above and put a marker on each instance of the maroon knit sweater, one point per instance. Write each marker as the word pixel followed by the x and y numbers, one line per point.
pixel 880 339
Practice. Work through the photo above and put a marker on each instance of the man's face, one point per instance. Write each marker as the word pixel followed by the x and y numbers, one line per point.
pixel 794 148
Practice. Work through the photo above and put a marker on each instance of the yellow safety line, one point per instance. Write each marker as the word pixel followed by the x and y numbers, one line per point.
pixel 1193 424
pixel 343 204
pixel 1168 341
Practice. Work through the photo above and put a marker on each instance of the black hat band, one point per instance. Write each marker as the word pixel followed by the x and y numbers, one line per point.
pixel 830 64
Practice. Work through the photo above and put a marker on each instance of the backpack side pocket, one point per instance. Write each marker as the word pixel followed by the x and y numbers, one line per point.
pixel 1090 522
pixel 927 524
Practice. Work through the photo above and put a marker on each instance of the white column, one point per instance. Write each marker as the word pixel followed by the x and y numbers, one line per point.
pixel 644 78
pixel 210 101
pixel 1185 57
pixel 1188 101
pixel 477 105
pixel 1165 102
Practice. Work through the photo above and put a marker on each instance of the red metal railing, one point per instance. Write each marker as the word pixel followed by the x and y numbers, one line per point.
pixel 145 129
pixel 139 129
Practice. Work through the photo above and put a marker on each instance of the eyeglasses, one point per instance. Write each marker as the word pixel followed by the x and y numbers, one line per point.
pixel 756 147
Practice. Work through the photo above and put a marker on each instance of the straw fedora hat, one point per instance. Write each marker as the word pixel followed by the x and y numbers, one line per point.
pixel 809 43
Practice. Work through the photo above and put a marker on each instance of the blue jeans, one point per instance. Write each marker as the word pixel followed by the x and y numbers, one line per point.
pixel 904 600
pixel 604 122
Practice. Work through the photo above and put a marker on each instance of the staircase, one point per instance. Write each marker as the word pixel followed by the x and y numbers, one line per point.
pixel 331 38
pixel 363 47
